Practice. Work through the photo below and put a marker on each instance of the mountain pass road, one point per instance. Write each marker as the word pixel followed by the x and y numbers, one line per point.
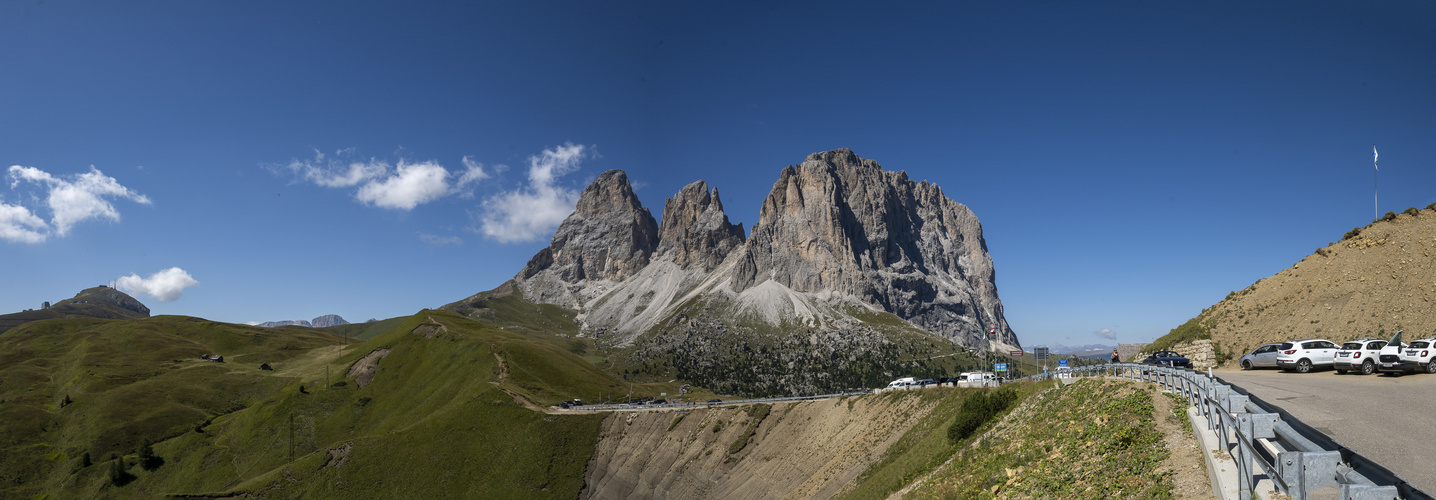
pixel 1382 417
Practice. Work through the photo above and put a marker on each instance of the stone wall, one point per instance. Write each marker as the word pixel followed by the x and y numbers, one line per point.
pixel 1129 352
pixel 1201 353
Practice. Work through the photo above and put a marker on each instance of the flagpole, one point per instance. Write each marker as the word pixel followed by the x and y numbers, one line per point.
pixel 1375 195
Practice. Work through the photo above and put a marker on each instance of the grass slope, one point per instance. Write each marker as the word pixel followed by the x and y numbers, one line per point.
pixel 127 381
pixel 448 410
pixel 1094 439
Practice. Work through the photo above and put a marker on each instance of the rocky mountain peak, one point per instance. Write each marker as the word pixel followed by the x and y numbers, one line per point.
pixel 105 295
pixel 842 223
pixel 695 231
pixel 609 235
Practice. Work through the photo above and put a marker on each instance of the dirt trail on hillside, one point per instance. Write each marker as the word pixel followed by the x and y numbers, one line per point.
pixel 809 449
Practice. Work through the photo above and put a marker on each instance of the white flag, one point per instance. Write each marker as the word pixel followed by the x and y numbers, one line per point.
pixel 1373 158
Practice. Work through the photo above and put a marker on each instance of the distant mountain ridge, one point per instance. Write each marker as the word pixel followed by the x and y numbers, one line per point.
pixel 319 322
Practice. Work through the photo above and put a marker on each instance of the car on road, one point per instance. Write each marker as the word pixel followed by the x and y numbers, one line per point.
pixel 1261 357
pixel 1168 358
pixel 1417 356
pixel 1358 356
pixel 922 384
pixel 1306 354
pixel 902 383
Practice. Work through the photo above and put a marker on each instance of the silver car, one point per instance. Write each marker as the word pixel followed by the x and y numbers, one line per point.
pixel 1261 357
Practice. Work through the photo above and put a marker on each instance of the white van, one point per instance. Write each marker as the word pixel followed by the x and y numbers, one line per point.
pixel 902 383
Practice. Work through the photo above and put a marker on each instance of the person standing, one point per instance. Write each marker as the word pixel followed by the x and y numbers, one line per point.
pixel 1115 357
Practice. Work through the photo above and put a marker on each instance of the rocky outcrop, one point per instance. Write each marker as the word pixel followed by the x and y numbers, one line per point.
pixel 695 231
pixel 841 223
pixel 320 322
pixel 608 237
pixel 328 320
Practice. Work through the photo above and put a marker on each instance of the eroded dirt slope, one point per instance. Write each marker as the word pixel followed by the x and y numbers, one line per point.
pixel 799 450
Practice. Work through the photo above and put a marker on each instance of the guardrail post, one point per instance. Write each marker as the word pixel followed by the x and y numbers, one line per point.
pixel 1304 471
pixel 1238 403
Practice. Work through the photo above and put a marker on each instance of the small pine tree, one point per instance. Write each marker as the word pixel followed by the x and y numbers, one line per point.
pixel 146 453
pixel 85 460
pixel 118 476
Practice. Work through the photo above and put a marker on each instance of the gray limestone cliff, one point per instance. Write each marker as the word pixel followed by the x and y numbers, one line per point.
pixel 695 231
pixel 608 237
pixel 842 223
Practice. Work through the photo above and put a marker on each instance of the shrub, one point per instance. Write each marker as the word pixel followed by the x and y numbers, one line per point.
pixel 85 460
pixel 977 410
pixel 1389 216
pixel 1351 234
pixel 1431 206
pixel 1410 211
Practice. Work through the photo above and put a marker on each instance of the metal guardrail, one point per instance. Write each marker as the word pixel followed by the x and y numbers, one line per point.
pixel 1296 458
pixel 700 404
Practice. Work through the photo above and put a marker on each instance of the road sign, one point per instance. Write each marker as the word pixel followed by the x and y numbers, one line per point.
pixel 1040 353
pixel 1016 353
pixel 999 367
pixel 1061 363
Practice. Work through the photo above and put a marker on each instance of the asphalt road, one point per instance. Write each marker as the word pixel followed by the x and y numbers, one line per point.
pixel 1384 418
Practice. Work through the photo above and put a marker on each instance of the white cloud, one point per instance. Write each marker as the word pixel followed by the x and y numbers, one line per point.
pixel 1106 334
pixel 530 213
pixel 438 241
pixel 411 185
pixel 383 185
pixel 70 201
pixel 164 286
pixel 18 224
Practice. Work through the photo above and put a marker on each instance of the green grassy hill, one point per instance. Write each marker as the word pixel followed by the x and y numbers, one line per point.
pixel 450 408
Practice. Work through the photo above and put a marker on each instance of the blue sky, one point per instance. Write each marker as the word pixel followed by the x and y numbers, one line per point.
pixel 1131 162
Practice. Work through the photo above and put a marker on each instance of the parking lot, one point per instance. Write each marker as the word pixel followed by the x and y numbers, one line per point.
pixel 1382 417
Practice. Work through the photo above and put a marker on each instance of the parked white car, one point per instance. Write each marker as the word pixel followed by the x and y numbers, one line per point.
pixel 1303 355
pixel 1389 361
pixel 1261 357
pixel 1359 356
pixel 1417 356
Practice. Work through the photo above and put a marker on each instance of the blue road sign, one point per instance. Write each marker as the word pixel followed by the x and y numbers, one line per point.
pixel 999 367
pixel 1061 363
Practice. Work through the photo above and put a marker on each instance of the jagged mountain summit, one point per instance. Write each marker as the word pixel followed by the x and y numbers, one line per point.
pixel 835 229
pixel 839 243
pixel 320 322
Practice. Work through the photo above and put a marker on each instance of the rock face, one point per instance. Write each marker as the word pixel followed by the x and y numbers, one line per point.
pixel 695 231
pixel 841 223
pixel 320 322
pixel 834 232
pixel 610 236
pixel 328 320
